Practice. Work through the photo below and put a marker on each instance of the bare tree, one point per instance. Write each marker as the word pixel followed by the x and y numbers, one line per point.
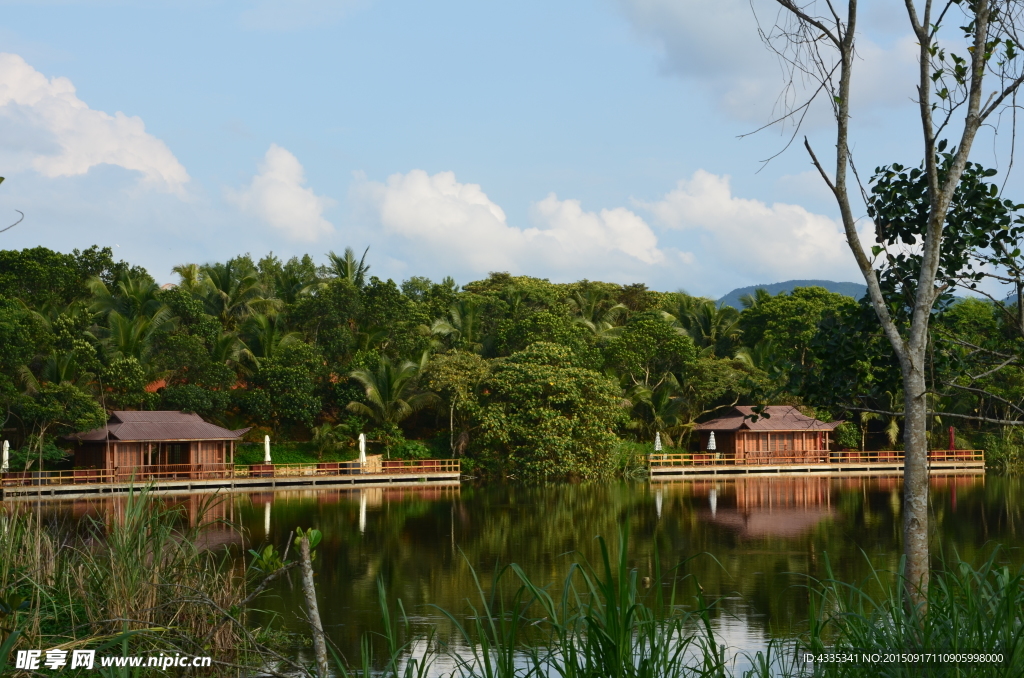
pixel 816 40
pixel 18 211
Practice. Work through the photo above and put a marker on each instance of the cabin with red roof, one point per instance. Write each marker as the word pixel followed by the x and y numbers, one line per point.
pixel 141 443
pixel 779 432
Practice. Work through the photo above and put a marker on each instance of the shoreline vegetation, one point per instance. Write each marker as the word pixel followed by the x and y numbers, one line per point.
pixel 142 582
pixel 517 376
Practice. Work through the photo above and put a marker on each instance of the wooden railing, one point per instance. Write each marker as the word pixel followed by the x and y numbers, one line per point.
pixel 660 460
pixel 145 474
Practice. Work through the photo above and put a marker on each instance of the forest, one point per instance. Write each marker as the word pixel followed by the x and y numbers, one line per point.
pixel 516 376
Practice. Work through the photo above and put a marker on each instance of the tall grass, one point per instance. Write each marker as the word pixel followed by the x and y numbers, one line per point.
pixel 602 623
pixel 138 577
pixel 970 610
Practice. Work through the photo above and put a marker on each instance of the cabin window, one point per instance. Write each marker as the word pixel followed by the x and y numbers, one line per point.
pixel 177 453
pixel 782 442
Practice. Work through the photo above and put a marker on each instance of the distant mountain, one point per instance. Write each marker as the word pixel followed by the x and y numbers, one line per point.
pixel 850 289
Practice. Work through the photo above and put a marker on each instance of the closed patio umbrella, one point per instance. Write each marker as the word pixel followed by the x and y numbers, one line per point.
pixel 266 449
pixel 657 442
pixel 362 449
pixel 5 465
pixel 711 442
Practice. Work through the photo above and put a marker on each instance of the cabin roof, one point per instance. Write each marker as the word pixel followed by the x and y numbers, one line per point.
pixel 783 418
pixel 157 426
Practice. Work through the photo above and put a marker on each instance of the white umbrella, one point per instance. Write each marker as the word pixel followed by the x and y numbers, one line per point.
pixel 711 442
pixel 5 465
pixel 362 449
pixel 657 442
pixel 266 449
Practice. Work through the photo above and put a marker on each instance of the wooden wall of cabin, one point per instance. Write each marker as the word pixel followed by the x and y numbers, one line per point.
pixel 90 455
pixel 725 442
pixel 209 452
pixel 128 455
pixel 135 454
pixel 760 445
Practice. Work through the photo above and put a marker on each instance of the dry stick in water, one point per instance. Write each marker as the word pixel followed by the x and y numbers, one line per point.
pixel 309 589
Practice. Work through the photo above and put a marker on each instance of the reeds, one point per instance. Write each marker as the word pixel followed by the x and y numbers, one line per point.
pixel 137 575
pixel 140 578
pixel 970 611
pixel 602 623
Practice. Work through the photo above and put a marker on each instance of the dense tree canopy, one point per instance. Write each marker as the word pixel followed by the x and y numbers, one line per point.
pixel 519 375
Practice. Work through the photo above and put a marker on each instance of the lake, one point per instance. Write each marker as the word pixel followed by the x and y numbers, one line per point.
pixel 752 541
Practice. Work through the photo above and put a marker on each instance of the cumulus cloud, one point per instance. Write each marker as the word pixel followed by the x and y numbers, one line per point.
pixel 50 130
pixel 461 223
pixel 757 240
pixel 279 197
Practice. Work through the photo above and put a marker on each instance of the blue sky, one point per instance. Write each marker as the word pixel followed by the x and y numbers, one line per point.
pixel 565 140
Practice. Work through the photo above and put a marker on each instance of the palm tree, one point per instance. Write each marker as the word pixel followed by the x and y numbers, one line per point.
pixel 232 292
pixel 756 299
pixel 462 325
pixel 714 329
pixel 125 337
pixel 657 410
pixel 228 349
pixel 47 314
pixel 265 335
pixel 191 277
pixel 764 356
pixel 597 311
pixel 131 297
pixel 346 266
pixel 865 418
pixel 328 439
pixel 391 392
pixel 57 368
pixel 289 286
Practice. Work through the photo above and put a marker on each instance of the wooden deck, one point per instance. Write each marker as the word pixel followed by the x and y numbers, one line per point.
pixel 697 465
pixel 191 478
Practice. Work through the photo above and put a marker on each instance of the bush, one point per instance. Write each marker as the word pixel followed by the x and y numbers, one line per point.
pixel 411 449
pixel 847 436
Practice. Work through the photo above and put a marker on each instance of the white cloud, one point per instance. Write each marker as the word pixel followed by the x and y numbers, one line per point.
pixel 278 196
pixel 761 241
pixel 716 43
pixel 579 233
pixel 50 130
pixel 459 223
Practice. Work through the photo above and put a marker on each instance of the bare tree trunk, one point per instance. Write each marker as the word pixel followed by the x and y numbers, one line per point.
pixel 825 44
pixel 915 478
pixel 309 589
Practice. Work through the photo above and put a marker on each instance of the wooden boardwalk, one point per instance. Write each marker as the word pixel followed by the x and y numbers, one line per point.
pixel 190 479
pixel 701 465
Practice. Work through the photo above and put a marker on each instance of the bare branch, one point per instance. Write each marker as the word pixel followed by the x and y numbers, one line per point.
pixel 985 393
pixel 20 219
pixel 990 420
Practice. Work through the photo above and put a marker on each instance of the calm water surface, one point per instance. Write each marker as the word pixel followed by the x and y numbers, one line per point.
pixel 751 541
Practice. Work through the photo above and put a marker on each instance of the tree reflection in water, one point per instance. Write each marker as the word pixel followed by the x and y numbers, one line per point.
pixel 756 549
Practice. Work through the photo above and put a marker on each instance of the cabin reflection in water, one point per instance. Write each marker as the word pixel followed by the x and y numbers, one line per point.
pixel 757 507
pixel 214 514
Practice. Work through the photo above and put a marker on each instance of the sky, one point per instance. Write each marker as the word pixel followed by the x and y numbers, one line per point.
pixel 599 139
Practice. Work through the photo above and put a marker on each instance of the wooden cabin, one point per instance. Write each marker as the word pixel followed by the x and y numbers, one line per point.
pixel 745 437
pixel 140 443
